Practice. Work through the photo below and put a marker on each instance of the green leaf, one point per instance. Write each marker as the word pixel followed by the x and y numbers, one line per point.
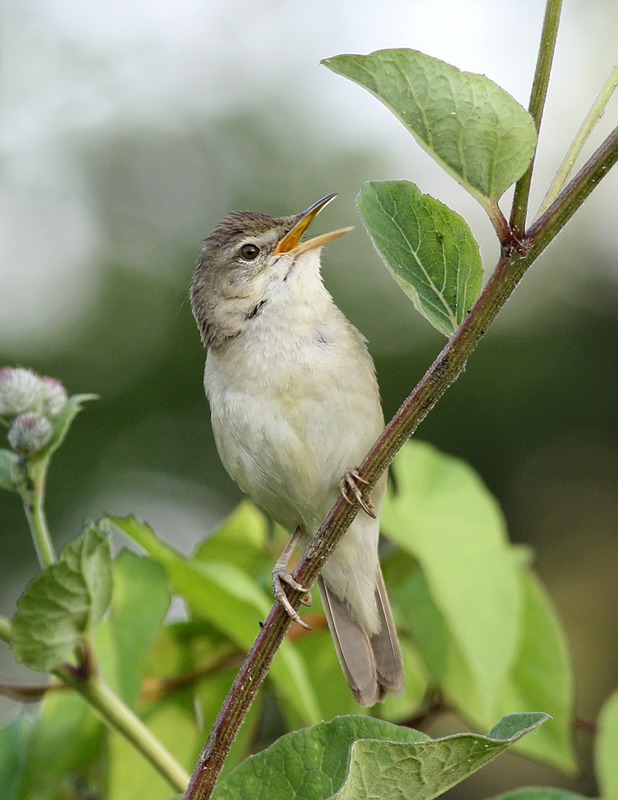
pixel 64 747
pixel 233 603
pixel 428 769
pixel 480 135
pixel 14 738
pixel 310 763
pixel 129 776
pixel 429 250
pixel 358 758
pixel 451 673
pixel 241 540
pixel 606 749
pixel 8 470
pixel 64 603
pixel 194 650
pixel 543 674
pixel 139 605
pixel 443 516
pixel 62 423
pixel 539 793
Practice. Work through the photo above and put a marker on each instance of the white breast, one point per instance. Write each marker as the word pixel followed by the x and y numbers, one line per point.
pixel 294 404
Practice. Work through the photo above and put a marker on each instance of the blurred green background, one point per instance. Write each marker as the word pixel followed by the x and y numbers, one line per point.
pixel 129 130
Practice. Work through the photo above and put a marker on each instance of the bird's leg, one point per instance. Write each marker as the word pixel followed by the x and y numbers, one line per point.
pixel 281 574
pixel 349 485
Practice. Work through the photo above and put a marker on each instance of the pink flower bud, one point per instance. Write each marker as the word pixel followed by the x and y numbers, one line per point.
pixel 54 396
pixel 20 390
pixel 30 432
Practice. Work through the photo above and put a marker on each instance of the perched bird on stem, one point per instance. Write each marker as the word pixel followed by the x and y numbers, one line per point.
pixel 295 406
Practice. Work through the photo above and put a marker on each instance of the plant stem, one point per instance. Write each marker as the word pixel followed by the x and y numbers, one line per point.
pixel 538 95
pixel 27 694
pixel 511 267
pixel 501 225
pixel 564 170
pixel 112 710
pixel 121 719
pixel 32 491
pixel 570 199
pixel 5 630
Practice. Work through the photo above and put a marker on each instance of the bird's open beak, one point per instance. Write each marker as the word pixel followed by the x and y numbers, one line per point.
pixel 291 242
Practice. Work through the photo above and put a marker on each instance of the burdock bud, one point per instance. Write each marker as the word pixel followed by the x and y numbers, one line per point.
pixel 54 396
pixel 20 390
pixel 30 432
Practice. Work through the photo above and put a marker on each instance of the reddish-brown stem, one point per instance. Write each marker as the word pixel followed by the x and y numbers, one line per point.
pixel 29 694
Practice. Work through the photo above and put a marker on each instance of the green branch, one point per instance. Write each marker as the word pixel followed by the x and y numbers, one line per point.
pixel 570 199
pixel 536 106
pixel 32 492
pixel 582 136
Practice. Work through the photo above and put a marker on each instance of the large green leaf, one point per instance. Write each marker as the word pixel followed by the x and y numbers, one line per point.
pixel 539 793
pixel 123 640
pixel 443 515
pixel 542 675
pixel 310 763
pixel 64 748
pixel 606 749
pixel 64 603
pixel 468 124
pixel 14 738
pixel 428 769
pixel 232 603
pixel 129 776
pixel 451 673
pixel 429 249
pixel 358 758
pixel 241 539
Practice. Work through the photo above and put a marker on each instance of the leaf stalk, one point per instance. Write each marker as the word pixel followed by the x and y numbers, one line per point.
pixel 32 491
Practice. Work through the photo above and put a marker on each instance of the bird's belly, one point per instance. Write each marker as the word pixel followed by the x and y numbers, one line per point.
pixel 288 443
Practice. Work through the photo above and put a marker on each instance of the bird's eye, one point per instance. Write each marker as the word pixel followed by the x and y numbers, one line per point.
pixel 249 251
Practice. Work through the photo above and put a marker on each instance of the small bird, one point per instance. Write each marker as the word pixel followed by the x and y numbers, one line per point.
pixel 295 406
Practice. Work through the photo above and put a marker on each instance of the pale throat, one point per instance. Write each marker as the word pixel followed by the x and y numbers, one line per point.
pixel 285 340
pixel 299 305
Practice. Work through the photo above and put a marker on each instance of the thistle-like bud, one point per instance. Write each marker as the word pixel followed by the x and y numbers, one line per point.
pixel 30 432
pixel 54 396
pixel 20 390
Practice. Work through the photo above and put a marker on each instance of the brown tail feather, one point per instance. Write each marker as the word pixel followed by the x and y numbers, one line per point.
pixel 372 665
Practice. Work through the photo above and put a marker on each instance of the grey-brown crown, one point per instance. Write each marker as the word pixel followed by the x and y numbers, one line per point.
pixel 220 279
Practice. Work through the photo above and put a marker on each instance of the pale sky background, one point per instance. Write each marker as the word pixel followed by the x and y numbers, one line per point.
pixel 74 70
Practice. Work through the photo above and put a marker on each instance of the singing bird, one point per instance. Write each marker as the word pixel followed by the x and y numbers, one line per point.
pixel 295 407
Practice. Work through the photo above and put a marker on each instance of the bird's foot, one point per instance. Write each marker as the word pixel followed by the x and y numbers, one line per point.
pixel 281 575
pixel 349 485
